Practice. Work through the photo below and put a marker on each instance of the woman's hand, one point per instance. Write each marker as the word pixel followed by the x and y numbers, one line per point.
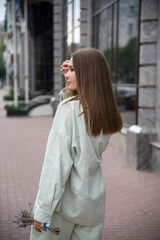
pixel 38 226
pixel 64 67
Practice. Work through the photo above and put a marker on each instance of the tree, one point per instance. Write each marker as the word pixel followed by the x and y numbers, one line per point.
pixel 127 61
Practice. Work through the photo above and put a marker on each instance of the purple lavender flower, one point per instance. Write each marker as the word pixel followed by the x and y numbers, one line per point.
pixel 26 218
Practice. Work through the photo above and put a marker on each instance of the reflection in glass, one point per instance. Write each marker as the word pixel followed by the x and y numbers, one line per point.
pixel 127 59
pixel 98 4
pixel 71 37
pixel 95 31
pixel 77 37
pixel 105 33
pixel 115 33
pixel 69 45
pixel 76 13
pixel 126 96
pixel 128 33
pixel 69 17
pixel 127 62
pixel 126 99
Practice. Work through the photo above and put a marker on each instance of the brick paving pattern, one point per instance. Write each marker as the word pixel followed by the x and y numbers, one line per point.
pixel 133 197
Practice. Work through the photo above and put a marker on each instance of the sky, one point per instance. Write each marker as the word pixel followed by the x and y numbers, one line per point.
pixel 2 10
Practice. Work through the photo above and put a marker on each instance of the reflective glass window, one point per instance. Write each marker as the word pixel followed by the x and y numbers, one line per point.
pixel 69 45
pixel 71 37
pixel 127 59
pixel 69 17
pixel 127 43
pixel 76 13
pixel 77 37
pixel 115 33
pixel 100 4
pixel 105 33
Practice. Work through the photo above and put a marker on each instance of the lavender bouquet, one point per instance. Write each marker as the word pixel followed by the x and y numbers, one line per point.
pixel 26 218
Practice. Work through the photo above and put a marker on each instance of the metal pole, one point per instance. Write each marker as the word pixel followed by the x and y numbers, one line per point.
pixel 26 52
pixel 14 54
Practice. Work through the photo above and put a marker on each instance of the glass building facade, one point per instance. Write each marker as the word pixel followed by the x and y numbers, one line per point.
pixel 127 32
pixel 115 27
pixel 71 27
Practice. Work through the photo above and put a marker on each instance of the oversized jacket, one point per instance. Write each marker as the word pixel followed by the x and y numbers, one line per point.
pixel 71 181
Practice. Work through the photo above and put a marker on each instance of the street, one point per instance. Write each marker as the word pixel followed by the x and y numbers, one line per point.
pixel 133 197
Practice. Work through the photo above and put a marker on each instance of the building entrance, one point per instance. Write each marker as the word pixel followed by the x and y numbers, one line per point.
pixel 41 29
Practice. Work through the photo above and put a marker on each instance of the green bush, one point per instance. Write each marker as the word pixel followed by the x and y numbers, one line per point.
pixel 8 98
pixel 11 92
pixel 19 107
pixel 11 98
pixel 43 92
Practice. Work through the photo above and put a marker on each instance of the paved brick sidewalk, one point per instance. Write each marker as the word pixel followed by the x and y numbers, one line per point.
pixel 133 197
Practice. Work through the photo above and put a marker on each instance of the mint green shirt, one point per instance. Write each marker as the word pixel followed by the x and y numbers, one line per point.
pixel 71 181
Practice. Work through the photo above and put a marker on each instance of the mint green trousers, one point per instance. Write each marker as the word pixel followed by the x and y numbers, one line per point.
pixel 69 231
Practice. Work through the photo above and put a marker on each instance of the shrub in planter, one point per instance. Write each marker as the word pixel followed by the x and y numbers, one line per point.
pixel 11 97
pixel 12 110
pixel 19 107
pixel 8 98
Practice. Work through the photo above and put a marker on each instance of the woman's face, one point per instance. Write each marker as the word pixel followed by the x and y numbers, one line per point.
pixel 70 76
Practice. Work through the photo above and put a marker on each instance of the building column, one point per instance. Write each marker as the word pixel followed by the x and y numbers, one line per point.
pixel 139 138
pixel 148 64
pixel 158 79
pixel 86 24
pixel 156 144
pixel 57 47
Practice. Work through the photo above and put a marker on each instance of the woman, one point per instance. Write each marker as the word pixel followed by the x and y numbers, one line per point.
pixel 71 191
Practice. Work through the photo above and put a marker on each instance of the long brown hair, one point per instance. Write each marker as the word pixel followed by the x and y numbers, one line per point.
pixel 95 92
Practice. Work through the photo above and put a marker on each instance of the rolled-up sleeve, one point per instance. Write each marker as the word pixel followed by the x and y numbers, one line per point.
pixel 56 169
